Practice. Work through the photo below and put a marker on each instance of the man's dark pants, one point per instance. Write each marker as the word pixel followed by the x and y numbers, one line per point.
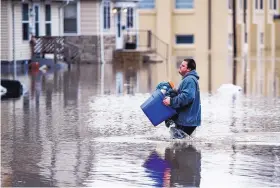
pixel 187 129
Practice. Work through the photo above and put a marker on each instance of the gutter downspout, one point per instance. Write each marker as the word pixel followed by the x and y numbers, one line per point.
pixel 276 18
pixel 14 40
pixel 59 14
pixel 209 45
pixel 234 41
pixel 101 32
pixel 102 47
pixel 245 44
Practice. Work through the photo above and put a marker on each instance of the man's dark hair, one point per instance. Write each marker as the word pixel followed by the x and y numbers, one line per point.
pixel 191 64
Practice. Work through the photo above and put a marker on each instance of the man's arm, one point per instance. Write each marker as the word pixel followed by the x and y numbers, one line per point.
pixel 186 96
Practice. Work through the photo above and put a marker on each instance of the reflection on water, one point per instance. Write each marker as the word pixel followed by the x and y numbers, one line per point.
pixel 84 127
pixel 180 165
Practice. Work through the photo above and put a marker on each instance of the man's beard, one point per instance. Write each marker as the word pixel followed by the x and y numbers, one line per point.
pixel 180 73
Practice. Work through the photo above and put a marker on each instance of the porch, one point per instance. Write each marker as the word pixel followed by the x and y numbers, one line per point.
pixel 88 49
pixel 70 49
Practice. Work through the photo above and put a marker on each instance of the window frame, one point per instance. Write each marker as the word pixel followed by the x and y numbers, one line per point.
pixel 184 35
pixel 23 21
pixel 77 21
pixel 130 17
pixel 48 22
pixel 147 5
pixel 273 5
pixel 36 22
pixel 259 5
pixel 177 7
pixel 230 5
pixel 106 15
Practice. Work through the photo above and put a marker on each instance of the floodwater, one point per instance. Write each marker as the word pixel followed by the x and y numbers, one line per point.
pixel 84 127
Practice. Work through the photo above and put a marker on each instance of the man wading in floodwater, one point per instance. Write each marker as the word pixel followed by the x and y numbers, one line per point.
pixel 187 102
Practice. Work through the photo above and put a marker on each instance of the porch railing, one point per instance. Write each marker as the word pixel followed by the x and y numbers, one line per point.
pixel 145 39
pixel 56 45
pixel 63 49
pixel 72 52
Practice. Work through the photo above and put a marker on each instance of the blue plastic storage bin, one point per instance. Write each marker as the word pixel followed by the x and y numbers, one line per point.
pixel 155 110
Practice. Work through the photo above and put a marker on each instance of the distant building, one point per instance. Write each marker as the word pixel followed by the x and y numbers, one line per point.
pixel 196 28
pixel 184 24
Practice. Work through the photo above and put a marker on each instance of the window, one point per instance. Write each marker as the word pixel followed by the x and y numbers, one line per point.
pixel 241 4
pixel 261 38
pixel 184 39
pixel 230 4
pixel 259 4
pixel 184 4
pixel 147 4
pixel 25 22
pixel 107 15
pixel 273 4
pixel 70 18
pixel 230 39
pixel 48 20
pixel 37 24
pixel 129 18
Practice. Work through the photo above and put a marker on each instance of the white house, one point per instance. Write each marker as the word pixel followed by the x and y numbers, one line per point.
pixel 97 27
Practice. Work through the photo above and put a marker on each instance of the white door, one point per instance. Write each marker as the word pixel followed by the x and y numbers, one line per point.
pixel 119 32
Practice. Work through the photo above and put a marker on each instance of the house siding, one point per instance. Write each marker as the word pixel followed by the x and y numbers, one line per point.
pixel 22 48
pixel 55 11
pixel 5 34
pixel 54 18
pixel 89 17
pixel 88 39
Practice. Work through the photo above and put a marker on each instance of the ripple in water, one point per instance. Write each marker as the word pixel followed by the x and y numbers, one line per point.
pixel 62 133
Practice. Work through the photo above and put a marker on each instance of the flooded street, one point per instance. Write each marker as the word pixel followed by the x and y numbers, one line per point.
pixel 85 128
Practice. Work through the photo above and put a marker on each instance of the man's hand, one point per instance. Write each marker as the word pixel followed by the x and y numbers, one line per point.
pixel 166 101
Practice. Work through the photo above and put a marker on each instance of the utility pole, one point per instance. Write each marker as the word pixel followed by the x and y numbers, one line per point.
pixel 234 39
